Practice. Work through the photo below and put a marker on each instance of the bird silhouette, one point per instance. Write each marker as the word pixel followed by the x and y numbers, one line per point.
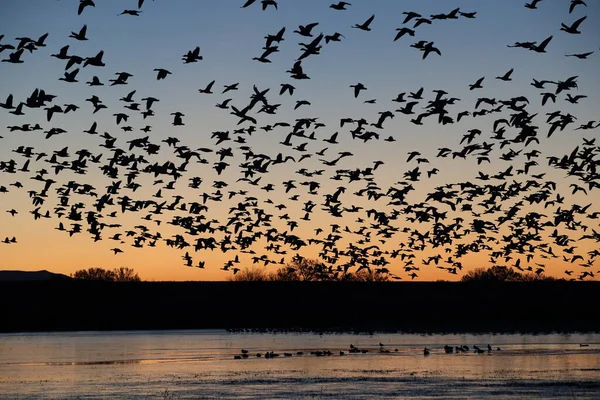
pixel 95 61
pixel 208 88
pixel 429 48
pixel 506 77
pixel 532 5
pixel 81 35
pixel 357 88
pixel 572 29
pixel 403 31
pixel 161 73
pixel 365 25
pixel 542 46
pixel 340 5
pixel 581 56
pixel 306 30
pixel 575 3
pixel 477 85
pixel 83 4
pixel 135 13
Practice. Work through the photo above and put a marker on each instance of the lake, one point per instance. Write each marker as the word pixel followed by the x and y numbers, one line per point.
pixel 202 364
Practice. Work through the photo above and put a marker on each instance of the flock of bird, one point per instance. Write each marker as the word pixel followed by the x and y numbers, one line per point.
pixel 381 349
pixel 515 216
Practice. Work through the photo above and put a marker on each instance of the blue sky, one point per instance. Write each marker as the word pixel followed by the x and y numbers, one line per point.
pixel 229 36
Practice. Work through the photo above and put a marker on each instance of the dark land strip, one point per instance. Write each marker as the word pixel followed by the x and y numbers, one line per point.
pixel 75 305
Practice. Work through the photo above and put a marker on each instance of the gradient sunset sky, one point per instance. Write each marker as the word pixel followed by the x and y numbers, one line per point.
pixel 229 36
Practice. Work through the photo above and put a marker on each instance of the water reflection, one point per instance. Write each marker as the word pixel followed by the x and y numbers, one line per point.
pixel 144 363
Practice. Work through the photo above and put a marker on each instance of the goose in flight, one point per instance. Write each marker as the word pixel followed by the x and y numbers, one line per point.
pixel 83 4
pixel 275 38
pixel 340 6
pixel 135 13
pixel 403 31
pixel 62 54
pixel 421 21
pixel 8 104
pixel 177 120
pixel 468 14
pixel 477 85
pixel 70 76
pixel 161 73
pixel 575 3
pixel 334 38
pixel 542 47
pixel 581 56
pixel 416 95
pixel 286 87
pixel 233 86
pixel 506 76
pixel 95 61
pixel 532 5
pixel 208 88
pixel 575 99
pixel 410 15
pixel 357 88
pixel 79 35
pixel 573 28
pixel 306 30
pixel 428 48
pixel 15 57
pixel 365 25
pixel 95 82
pixel 121 79
pixel 263 57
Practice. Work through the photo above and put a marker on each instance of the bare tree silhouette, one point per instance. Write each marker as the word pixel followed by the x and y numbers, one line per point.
pixel 122 274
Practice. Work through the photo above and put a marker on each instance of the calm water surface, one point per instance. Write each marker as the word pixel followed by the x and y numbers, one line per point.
pixel 201 364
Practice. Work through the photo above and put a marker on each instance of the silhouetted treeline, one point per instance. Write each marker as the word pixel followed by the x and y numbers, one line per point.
pixel 541 306
pixel 122 274
pixel 307 271
pixel 502 273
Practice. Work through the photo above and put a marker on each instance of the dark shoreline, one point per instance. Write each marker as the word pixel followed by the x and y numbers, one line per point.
pixel 418 307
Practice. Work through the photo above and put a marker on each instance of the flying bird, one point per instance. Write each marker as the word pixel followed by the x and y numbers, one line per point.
pixel 477 85
pixel 306 30
pixel 81 35
pixel 161 73
pixel 532 5
pixel 83 4
pixel 135 13
pixel 574 26
pixel 357 88
pixel 542 46
pixel 581 56
pixel 575 3
pixel 365 25
pixel 403 31
pixel 208 88
pixel 340 6
pixel 506 76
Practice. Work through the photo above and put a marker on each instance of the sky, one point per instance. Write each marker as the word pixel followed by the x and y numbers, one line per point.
pixel 229 36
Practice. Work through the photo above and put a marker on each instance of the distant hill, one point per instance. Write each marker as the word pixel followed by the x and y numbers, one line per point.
pixel 21 276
